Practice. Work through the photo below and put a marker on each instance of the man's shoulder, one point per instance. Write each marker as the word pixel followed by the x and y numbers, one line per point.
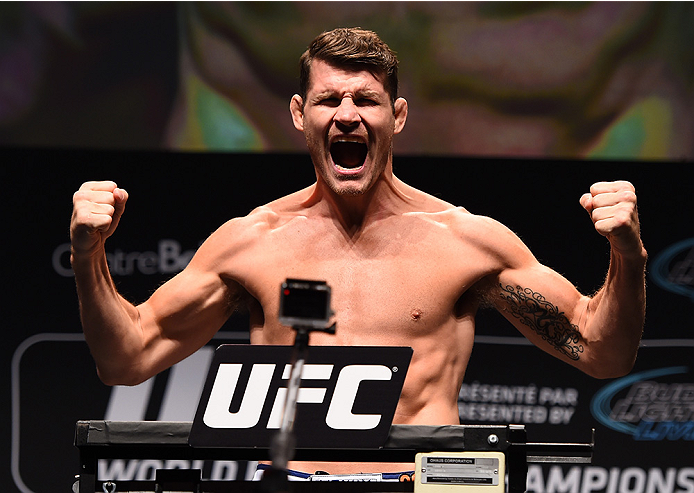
pixel 266 217
pixel 439 210
pixel 258 222
pixel 461 220
pixel 479 231
pixel 456 219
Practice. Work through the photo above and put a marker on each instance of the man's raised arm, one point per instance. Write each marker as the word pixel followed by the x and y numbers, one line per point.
pixel 618 309
pixel 132 343
pixel 110 323
pixel 599 334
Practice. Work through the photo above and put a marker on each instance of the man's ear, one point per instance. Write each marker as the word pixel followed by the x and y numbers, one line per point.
pixel 400 111
pixel 296 108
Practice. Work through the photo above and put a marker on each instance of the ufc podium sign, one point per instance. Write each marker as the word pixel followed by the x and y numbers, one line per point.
pixel 347 398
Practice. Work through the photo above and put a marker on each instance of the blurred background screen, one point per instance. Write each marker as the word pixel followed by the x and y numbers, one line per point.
pixel 515 79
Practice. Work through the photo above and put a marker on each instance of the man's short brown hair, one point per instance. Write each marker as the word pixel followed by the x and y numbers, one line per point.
pixel 352 48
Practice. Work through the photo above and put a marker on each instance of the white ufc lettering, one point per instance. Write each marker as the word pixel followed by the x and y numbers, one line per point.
pixel 217 413
pixel 305 395
pixel 339 415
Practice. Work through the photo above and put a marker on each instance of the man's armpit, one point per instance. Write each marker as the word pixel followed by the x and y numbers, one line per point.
pixel 238 300
pixel 543 318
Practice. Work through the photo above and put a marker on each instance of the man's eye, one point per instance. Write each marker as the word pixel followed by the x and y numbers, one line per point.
pixel 366 102
pixel 329 102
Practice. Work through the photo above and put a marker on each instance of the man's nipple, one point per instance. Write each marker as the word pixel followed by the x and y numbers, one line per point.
pixel 416 314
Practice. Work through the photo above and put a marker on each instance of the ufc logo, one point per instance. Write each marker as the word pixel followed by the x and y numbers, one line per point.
pixel 339 415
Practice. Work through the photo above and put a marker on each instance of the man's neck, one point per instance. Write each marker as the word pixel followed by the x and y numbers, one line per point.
pixel 353 213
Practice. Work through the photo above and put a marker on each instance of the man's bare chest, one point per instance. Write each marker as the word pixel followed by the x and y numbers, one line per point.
pixel 405 282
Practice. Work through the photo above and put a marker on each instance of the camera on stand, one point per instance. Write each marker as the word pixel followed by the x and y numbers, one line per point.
pixel 306 304
pixel 305 307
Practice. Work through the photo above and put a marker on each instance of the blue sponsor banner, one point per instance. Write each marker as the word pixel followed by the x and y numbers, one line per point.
pixel 652 408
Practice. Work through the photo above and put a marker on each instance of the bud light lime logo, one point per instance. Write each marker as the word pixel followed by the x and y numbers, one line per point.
pixel 648 409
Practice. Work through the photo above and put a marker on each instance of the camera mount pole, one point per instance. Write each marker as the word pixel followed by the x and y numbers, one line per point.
pixel 284 442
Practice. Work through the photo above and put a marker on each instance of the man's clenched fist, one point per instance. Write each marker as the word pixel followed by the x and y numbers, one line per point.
pixel 97 208
pixel 612 207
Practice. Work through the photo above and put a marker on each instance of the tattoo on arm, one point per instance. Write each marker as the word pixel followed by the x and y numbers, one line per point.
pixel 538 314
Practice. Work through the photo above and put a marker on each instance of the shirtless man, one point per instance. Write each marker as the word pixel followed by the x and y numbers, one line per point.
pixel 405 268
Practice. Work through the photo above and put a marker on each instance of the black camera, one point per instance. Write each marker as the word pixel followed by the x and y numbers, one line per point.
pixel 305 304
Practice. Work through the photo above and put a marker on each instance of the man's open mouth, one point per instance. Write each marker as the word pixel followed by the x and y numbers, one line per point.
pixel 348 155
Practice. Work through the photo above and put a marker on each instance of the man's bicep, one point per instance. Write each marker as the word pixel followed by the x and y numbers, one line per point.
pixel 200 298
pixel 183 315
pixel 191 300
pixel 544 307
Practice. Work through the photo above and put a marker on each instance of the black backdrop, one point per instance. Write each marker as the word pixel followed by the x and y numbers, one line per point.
pixel 178 199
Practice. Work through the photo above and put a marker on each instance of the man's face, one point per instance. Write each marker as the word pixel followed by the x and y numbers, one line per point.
pixel 349 123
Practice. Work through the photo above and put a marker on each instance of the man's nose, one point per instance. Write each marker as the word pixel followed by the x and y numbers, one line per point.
pixel 347 112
